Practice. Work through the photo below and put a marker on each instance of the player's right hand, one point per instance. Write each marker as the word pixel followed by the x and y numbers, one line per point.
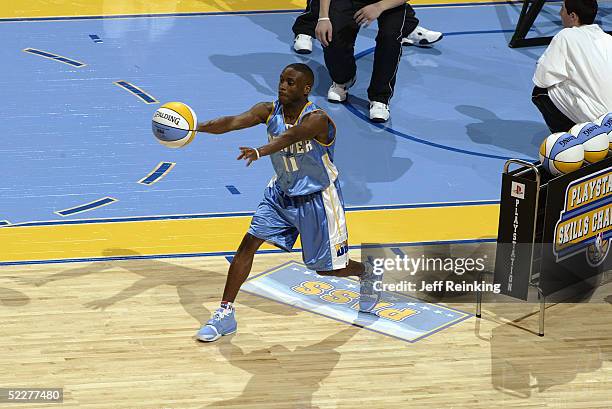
pixel 323 32
pixel 250 155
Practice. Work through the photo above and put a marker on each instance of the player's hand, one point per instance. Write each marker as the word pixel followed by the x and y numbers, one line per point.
pixel 369 13
pixel 323 32
pixel 248 154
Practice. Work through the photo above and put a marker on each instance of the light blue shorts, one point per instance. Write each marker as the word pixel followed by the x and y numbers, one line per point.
pixel 318 218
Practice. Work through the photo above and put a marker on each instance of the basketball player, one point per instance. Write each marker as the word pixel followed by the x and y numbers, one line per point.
pixel 302 198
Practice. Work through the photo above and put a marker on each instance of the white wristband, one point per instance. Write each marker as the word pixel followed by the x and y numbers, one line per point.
pixel 257 152
pixel 323 19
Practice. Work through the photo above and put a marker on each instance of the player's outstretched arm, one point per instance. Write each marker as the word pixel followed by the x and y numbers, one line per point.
pixel 313 126
pixel 254 116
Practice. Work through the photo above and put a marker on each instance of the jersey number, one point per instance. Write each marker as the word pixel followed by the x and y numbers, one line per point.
pixel 290 163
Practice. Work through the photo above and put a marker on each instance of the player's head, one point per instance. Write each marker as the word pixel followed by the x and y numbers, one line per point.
pixel 578 12
pixel 295 83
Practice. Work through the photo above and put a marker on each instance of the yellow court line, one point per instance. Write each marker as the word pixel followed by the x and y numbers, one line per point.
pixel 74 8
pixel 223 234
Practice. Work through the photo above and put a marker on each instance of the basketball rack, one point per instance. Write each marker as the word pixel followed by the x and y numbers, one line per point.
pixel 531 171
pixel 533 203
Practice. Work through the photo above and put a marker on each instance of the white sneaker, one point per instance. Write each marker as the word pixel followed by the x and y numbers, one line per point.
pixel 379 112
pixel 339 92
pixel 302 44
pixel 422 37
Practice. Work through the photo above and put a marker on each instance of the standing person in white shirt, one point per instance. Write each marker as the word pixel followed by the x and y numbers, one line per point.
pixel 573 78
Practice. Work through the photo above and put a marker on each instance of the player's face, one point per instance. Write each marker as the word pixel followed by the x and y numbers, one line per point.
pixel 291 86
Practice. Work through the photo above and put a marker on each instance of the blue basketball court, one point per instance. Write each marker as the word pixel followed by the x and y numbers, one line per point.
pixel 79 122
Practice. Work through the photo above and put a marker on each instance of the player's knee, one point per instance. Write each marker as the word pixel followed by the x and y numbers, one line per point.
pixel 340 42
pixel 249 245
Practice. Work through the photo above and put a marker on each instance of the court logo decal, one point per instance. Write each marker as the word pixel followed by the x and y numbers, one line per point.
pixel 397 315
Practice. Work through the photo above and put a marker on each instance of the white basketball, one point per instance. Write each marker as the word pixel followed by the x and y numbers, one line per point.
pixel 594 140
pixel 605 122
pixel 174 124
pixel 561 153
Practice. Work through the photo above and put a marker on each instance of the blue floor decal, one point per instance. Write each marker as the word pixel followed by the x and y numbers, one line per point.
pixel 397 315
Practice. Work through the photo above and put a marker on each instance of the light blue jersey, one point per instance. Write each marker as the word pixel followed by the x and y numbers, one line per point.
pixel 304 198
pixel 305 167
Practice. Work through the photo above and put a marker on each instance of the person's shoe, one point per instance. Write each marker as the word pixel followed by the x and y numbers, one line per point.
pixel 370 289
pixel 422 37
pixel 379 112
pixel 339 92
pixel 302 44
pixel 223 322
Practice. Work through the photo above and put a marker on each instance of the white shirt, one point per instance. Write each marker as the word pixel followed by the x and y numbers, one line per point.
pixel 577 70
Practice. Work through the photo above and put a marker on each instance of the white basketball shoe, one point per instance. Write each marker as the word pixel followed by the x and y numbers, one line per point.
pixel 422 37
pixel 339 92
pixel 379 112
pixel 302 44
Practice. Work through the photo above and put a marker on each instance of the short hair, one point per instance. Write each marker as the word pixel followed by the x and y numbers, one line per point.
pixel 303 69
pixel 586 10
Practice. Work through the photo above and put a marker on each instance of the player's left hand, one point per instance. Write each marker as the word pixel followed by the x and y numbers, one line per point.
pixel 248 154
pixel 369 13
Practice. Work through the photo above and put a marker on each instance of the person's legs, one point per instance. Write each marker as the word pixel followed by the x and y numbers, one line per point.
pixel 387 54
pixel 324 236
pixel 352 269
pixel 391 29
pixel 411 22
pixel 422 37
pixel 268 224
pixel 418 35
pixel 370 290
pixel 223 321
pixel 340 53
pixel 307 21
pixel 556 120
pixel 304 28
pixel 240 268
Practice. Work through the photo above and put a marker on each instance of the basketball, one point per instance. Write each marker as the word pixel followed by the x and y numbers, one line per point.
pixel 594 140
pixel 561 153
pixel 174 124
pixel 605 122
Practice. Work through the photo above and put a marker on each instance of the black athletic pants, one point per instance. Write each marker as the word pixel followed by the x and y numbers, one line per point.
pixel 556 120
pixel 307 21
pixel 393 25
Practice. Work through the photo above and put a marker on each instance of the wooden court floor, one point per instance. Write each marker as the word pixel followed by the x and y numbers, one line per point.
pixel 119 334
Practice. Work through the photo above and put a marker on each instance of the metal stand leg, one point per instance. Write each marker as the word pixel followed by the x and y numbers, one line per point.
pixel 542 309
pixel 529 13
pixel 479 300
